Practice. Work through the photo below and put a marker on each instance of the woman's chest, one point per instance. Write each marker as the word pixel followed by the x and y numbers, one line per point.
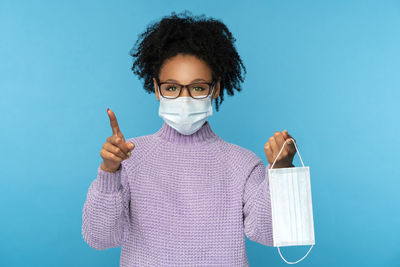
pixel 184 191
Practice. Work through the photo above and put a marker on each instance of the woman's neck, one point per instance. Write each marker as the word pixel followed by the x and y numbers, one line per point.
pixel 201 136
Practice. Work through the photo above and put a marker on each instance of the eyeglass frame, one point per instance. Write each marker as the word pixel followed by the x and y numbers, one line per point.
pixel 211 84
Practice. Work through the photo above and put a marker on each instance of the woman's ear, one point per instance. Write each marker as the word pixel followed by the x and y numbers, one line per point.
pixel 216 91
pixel 155 88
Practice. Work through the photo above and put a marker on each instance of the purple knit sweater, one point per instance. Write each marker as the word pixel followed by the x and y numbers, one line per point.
pixel 180 200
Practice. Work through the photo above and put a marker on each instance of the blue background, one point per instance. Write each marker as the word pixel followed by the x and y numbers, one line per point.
pixel 328 72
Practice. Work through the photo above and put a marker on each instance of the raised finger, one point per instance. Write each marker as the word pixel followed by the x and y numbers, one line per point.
pixel 113 122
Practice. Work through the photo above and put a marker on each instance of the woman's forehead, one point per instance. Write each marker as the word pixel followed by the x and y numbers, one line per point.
pixel 192 81
pixel 185 69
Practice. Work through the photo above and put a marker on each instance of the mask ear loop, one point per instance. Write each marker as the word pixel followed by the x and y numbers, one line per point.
pixel 289 262
pixel 282 149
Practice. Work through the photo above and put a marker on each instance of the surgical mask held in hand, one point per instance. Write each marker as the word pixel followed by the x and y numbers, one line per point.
pixel 185 114
pixel 291 206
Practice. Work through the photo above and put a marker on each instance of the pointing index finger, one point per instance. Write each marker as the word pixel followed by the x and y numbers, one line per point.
pixel 113 121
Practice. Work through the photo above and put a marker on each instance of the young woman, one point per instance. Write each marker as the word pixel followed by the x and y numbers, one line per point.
pixel 182 196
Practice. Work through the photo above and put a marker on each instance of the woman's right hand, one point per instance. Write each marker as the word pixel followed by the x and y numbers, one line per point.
pixel 115 149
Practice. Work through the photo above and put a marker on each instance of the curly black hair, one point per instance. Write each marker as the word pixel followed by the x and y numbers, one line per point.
pixel 206 38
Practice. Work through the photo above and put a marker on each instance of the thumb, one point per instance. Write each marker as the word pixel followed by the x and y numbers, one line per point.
pixel 130 145
pixel 286 135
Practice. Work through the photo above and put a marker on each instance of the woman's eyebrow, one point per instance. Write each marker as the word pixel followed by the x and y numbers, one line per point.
pixel 195 80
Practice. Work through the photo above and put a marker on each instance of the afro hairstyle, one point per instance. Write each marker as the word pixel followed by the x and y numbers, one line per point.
pixel 206 38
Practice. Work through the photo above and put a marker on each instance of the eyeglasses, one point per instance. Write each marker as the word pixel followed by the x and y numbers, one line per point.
pixel 197 90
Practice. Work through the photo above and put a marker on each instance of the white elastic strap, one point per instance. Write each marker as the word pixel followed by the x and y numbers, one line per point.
pixel 282 149
pixel 289 262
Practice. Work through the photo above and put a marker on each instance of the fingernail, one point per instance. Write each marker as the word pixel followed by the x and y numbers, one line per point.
pixel 129 154
pixel 131 145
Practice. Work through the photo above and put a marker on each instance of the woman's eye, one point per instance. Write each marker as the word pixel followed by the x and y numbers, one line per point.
pixel 201 88
pixel 171 87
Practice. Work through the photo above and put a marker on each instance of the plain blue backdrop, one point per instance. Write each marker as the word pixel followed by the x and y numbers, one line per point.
pixel 327 71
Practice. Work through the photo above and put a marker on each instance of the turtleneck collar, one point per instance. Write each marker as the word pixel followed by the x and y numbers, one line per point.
pixel 201 136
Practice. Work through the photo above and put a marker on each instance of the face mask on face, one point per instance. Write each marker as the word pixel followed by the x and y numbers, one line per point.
pixel 185 114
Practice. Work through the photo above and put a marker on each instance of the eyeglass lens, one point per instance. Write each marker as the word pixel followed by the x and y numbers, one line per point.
pixel 197 90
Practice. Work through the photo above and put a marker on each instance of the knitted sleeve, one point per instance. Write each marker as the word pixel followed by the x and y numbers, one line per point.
pixel 256 206
pixel 105 216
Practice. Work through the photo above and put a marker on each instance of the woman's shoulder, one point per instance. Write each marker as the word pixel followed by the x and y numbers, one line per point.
pixel 239 154
pixel 143 143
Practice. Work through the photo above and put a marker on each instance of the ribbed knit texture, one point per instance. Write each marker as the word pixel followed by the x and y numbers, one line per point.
pixel 180 200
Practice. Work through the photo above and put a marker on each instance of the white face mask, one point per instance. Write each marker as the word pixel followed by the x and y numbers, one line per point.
pixel 291 206
pixel 185 114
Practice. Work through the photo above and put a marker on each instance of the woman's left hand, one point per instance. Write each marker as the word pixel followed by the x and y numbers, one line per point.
pixel 274 145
